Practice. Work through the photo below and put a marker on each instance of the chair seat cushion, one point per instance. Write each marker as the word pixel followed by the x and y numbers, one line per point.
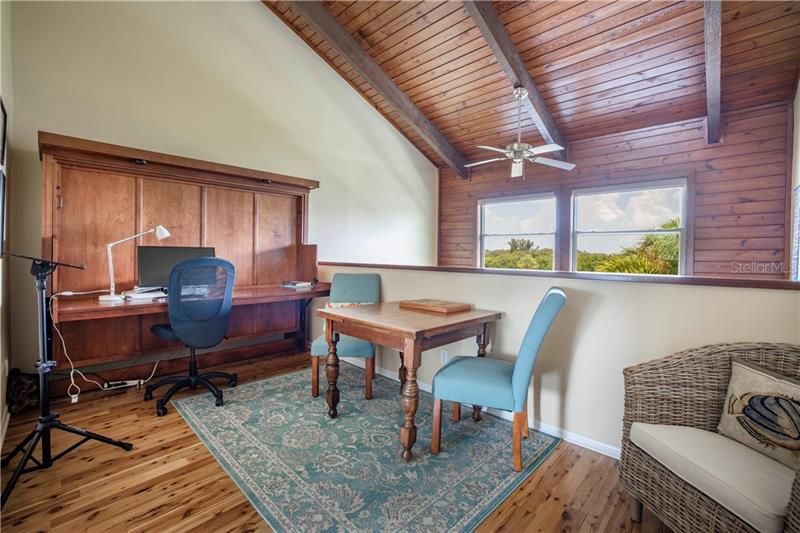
pixel 475 381
pixel 750 485
pixel 164 331
pixel 346 347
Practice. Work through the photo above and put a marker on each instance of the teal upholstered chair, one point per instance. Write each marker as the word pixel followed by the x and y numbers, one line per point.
pixel 349 289
pixel 494 383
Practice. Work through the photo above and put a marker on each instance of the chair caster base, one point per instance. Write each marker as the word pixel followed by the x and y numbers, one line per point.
pixel 219 402
pixel 161 409
pixel 148 394
pixel 234 380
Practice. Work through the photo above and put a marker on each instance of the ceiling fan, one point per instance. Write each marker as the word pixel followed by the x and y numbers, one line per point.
pixel 519 152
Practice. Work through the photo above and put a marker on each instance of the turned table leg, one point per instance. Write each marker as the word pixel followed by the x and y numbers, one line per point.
pixel 402 372
pixel 408 431
pixel 332 370
pixel 482 340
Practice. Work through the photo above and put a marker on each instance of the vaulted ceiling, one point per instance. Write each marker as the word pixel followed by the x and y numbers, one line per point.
pixel 600 66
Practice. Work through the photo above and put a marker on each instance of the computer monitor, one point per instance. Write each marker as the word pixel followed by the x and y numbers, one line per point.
pixel 156 262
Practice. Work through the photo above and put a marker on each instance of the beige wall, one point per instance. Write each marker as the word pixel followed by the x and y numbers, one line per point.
pixel 796 181
pixel 225 82
pixel 5 91
pixel 605 327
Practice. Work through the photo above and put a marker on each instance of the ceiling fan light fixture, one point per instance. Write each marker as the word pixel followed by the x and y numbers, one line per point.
pixel 519 152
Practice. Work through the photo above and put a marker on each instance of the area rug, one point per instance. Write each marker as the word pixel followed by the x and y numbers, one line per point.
pixel 305 472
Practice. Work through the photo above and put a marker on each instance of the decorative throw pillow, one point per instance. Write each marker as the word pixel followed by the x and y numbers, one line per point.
pixel 762 411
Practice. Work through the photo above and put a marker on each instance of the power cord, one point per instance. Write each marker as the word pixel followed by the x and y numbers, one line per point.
pixel 74 391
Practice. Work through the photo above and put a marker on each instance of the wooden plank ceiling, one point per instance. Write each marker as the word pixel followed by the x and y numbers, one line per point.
pixel 602 67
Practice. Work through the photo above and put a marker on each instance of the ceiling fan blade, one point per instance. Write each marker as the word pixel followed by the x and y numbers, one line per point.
pixel 563 165
pixel 476 163
pixel 516 169
pixel 494 149
pixel 545 149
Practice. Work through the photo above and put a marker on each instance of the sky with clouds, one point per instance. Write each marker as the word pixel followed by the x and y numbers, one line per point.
pixel 621 210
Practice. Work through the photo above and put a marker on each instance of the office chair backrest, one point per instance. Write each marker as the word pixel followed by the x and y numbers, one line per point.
pixel 200 299
pixel 544 316
pixel 356 288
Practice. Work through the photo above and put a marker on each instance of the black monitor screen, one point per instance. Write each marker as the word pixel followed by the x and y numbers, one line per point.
pixel 156 262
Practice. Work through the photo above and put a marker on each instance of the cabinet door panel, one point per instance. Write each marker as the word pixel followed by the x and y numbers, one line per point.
pixel 276 238
pixel 97 208
pixel 177 207
pixel 229 229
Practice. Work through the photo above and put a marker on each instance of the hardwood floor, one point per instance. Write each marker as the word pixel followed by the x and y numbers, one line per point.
pixel 170 482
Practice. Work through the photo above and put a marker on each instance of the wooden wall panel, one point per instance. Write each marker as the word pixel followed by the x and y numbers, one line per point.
pixel 229 221
pixel 87 224
pixel 740 186
pixel 97 341
pixel 277 237
pixel 177 207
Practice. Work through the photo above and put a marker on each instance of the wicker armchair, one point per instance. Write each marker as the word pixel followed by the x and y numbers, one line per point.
pixel 688 389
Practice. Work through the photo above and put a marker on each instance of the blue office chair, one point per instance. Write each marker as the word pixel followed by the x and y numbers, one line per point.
pixel 349 289
pixel 200 298
pixel 493 383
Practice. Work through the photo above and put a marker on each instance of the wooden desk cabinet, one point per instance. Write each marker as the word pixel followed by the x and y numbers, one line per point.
pixel 95 193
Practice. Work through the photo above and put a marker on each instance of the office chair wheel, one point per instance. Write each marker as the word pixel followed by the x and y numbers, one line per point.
pixel 148 394
pixel 161 409
pixel 220 402
pixel 234 380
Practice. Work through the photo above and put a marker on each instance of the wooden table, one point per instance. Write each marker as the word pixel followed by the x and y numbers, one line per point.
pixel 410 333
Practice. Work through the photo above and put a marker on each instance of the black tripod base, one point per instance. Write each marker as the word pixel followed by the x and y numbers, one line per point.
pixel 41 433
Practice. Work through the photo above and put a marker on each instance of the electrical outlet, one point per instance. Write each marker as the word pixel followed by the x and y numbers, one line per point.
pixel 444 356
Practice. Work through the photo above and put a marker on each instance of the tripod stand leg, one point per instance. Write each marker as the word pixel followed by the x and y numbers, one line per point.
pixel 34 439
pixel 94 436
pixel 21 446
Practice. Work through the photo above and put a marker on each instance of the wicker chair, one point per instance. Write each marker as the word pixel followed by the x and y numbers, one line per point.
pixel 688 389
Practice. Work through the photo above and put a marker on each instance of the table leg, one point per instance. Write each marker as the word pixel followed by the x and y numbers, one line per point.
pixel 408 431
pixel 482 340
pixel 332 369
pixel 401 373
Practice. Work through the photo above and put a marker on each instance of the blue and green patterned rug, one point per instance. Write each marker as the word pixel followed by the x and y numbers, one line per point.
pixel 305 472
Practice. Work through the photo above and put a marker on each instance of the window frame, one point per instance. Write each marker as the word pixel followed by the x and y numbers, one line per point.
pixel 545 194
pixel 684 231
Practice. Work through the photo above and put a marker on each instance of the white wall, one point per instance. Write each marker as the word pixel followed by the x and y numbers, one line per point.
pixel 795 267
pixel 605 327
pixel 5 91
pixel 226 82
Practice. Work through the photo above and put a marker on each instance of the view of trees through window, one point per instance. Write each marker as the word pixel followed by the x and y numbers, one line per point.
pixel 626 231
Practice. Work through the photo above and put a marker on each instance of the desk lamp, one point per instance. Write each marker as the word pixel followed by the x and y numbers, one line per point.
pixel 161 234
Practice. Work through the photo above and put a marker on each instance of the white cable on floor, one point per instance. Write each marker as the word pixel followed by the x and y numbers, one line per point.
pixel 72 385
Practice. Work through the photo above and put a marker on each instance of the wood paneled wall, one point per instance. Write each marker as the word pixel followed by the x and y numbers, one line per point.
pixel 740 186
pixel 257 231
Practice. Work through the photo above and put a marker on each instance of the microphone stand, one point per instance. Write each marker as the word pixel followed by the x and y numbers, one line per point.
pixel 40 270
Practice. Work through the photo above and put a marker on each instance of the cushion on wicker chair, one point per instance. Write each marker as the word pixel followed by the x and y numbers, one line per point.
pixel 749 484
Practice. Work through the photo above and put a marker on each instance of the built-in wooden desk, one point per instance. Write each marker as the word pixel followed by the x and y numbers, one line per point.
pixel 67 309
pixel 114 340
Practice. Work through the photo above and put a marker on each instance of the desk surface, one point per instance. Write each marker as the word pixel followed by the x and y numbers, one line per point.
pixel 407 322
pixel 70 309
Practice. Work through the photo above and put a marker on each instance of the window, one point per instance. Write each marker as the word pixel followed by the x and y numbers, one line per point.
pixel 635 229
pixel 518 232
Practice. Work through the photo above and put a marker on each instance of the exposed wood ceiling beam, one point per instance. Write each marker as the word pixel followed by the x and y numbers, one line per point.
pixel 713 36
pixel 325 24
pixel 496 36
